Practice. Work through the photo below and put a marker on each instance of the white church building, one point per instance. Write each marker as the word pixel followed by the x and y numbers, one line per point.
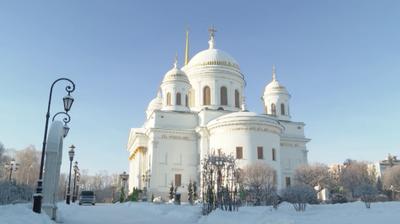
pixel 200 109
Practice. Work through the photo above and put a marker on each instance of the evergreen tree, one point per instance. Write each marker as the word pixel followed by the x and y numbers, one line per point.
pixel 190 192
pixel 171 191
pixel 122 195
pixel 194 191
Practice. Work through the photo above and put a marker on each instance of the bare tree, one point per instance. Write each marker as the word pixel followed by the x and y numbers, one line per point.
pixel 62 187
pixel 391 180
pixel 367 194
pixel 3 160
pixel 28 160
pixel 313 175
pixel 260 181
pixel 299 196
pixel 354 175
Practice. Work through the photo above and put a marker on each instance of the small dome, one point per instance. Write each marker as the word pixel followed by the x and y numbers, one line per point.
pixel 274 86
pixel 175 74
pixel 156 103
pixel 213 57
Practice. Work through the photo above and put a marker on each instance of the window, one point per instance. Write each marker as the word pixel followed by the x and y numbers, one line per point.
pixel 168 99
pixel 273 109
pixel 206 95
pixel 260 152
pixel 239 152
pixel 178 180
pixel 178 98
pixel 186 100
pixel 273 154
pixel 287 181
pixel 237 99
pixel 282 109
pixel 224 96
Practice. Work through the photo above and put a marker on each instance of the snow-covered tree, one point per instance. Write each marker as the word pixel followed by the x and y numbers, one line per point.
pixel 28 169
pixel 299 196
pixel 260 182
pixel 313 175
pixel 391 180
pixel 3 160
pixel 355 174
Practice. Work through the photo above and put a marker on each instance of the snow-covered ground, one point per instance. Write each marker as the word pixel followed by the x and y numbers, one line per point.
pixel 147 213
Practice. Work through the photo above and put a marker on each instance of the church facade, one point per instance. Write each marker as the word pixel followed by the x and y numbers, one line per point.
pixel 200 109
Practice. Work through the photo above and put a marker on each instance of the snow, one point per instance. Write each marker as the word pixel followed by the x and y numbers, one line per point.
pixel 148 213
pixel 21 214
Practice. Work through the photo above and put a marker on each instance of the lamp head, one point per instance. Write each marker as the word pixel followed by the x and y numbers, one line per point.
pixel 68 101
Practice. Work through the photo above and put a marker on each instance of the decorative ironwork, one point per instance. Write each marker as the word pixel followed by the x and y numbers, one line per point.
pixel 219 182
pixel 66 119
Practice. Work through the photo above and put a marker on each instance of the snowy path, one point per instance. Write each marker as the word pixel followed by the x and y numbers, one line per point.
pixel 129 213
pixel 148 213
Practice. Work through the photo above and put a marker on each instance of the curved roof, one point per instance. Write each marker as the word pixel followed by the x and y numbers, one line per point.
pixel 213 57
pixel 175 74
pixel 275 87
pixel 246 117
pixel 155 104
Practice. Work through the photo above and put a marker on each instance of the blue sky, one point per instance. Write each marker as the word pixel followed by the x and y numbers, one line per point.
pixel 340 61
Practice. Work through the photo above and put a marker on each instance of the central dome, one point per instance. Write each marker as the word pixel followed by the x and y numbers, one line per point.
pixel 213 57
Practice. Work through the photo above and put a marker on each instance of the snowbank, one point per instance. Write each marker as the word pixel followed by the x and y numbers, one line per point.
pixel 22 214
pixel 148 213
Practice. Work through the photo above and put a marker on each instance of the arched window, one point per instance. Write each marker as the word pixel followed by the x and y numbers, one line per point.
pixel 282 109
pixel 206 95
pixel 237 99
pixel 168 99
pixel 273 154
pixel 186 100
pixel 224 96
pixel 178 98
pixel 273 109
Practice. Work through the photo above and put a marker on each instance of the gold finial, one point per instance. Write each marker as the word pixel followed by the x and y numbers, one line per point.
pixel 187 47
pixel 273 73
pixel 176 61
pixel 212 32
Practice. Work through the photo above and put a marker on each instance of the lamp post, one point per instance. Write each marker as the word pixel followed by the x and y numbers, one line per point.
pixel 146 179
pixel 124 177
pixel 67 101
pixel 71 154
pixel 76 173
pixel 11 167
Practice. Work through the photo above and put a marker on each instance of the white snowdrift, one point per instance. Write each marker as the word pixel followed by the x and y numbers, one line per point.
pixel 148 213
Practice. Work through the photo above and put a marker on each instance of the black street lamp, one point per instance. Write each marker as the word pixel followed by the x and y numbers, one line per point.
pixel 76 175
pixel 71 154
pixel 67 101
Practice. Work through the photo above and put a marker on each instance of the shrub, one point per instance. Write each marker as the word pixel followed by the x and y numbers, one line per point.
pixel 338 198
pixel 367 194
pixel 134 196
pixel 299 196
